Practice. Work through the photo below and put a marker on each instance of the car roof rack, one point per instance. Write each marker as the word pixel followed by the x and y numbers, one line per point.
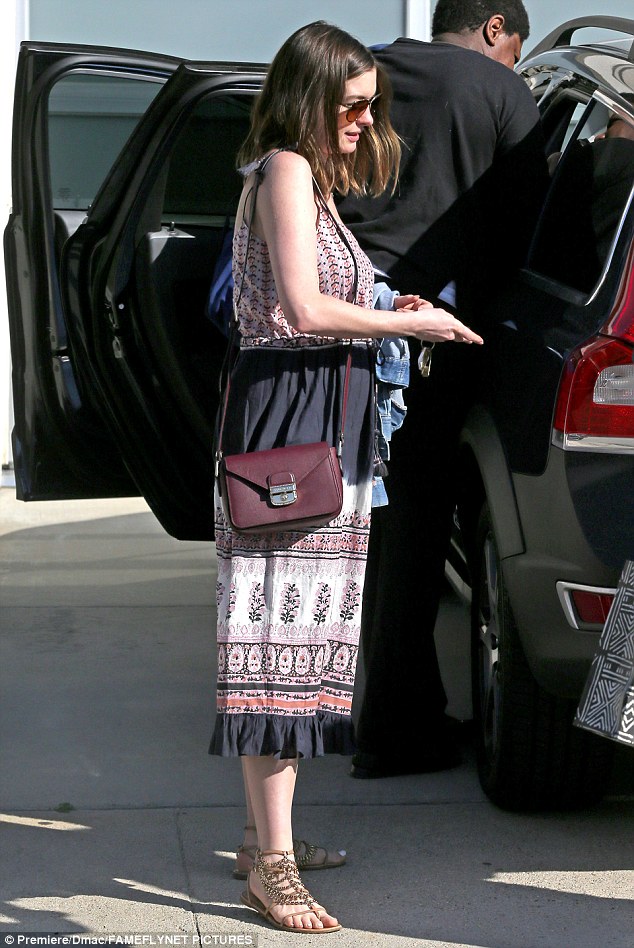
pixel 563 34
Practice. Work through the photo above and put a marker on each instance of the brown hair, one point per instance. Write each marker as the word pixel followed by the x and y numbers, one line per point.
pixel 302 92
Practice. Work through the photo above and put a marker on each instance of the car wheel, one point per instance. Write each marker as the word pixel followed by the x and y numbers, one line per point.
pixel 530 757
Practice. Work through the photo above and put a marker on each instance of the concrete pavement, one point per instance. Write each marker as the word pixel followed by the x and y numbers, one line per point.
pixel 115 819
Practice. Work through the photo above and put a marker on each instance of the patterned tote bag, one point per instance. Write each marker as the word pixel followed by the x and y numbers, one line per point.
pixel 607 702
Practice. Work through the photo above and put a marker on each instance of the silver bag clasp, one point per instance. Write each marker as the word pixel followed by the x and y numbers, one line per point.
pixel 282 489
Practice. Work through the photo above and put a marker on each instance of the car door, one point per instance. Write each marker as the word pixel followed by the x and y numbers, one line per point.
pixel 124 186
pixel 74 109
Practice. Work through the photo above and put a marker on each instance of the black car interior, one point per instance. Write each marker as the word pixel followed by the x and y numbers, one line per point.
pixel 178 235
pixel 182 234
pixel 593 178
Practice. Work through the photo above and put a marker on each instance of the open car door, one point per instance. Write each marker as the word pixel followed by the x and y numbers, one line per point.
pixel 124 181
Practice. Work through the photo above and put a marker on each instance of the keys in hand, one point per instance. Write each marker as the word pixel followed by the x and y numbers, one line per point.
pixel 424 359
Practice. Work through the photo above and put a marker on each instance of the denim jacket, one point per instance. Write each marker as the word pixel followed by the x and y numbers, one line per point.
pixel 392 374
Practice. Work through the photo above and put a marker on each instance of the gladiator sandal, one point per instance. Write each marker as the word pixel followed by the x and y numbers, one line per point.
pixel 282 884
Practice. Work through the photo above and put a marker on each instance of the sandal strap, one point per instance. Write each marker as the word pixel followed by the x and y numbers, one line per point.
pixel 306 857
pixel 280 879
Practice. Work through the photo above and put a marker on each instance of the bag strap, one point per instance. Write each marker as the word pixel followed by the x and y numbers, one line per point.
pixel 231 352
pixel 355 288
pixel 342 235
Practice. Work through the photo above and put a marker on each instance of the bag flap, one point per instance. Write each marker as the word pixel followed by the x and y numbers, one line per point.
pixel 257 466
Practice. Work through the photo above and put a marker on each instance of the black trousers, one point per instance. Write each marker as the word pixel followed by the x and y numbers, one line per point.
pixel 404 699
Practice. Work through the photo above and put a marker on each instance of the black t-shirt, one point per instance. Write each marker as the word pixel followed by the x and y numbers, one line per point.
pixel 472 178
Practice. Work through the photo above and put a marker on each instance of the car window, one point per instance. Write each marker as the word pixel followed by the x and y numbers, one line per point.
pixel 592 183
pixel 575 118
pixel 202 180
pixel 90 118
pixel 560 119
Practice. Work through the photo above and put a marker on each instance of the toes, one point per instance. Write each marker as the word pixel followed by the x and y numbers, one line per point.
pixel 309 921
pixel 323 918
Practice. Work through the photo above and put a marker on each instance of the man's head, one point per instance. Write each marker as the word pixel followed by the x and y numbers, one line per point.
pixel 496 29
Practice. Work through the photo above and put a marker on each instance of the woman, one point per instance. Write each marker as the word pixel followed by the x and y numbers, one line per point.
pixel 289 611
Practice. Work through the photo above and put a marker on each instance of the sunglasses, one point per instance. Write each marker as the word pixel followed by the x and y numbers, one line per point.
pixel 356 109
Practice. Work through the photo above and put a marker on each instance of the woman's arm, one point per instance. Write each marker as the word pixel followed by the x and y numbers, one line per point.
pixel 285 217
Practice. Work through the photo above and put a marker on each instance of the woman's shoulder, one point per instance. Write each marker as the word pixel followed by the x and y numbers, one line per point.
pixel 279 167
pixel 287 181
pixel 287 163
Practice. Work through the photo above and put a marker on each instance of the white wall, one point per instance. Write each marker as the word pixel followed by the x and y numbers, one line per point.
pixel 251 30
pixel 243 30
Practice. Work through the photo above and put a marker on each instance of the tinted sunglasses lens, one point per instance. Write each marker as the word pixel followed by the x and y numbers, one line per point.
pixel 356 110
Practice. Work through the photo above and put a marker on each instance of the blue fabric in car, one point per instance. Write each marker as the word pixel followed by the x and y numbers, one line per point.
pixel 219 308
pixel 392 374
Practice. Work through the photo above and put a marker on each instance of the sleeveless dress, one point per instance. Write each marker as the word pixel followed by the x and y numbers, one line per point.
pixel 289 604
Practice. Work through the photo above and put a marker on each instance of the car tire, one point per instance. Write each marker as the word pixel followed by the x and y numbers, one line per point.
pixel 530 757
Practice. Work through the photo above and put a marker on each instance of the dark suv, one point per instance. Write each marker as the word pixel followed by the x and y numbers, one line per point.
pixel 123 191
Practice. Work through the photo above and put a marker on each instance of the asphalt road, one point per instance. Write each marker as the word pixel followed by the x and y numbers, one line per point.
pixel 115 819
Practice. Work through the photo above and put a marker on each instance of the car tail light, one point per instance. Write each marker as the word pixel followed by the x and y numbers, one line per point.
pixel 591 607
pixel 595 402
pixel 585 607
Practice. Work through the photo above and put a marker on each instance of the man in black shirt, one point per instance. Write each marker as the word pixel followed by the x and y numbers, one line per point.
pixel 472 177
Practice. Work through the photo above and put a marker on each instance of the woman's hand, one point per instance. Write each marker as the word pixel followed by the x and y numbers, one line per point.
pixel 409 301
pixel 437 325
